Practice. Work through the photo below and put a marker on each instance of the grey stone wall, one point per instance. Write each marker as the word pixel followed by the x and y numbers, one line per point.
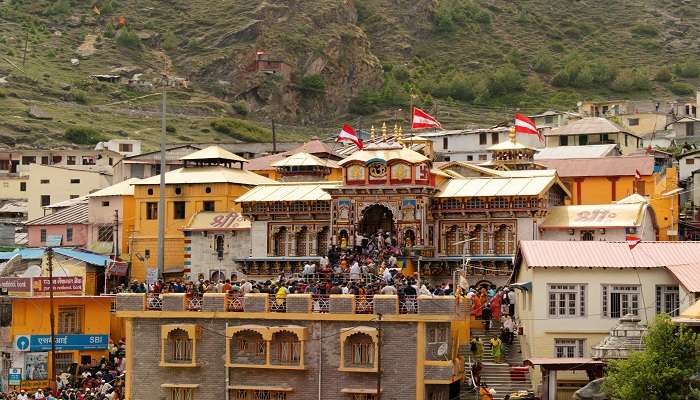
pixel 256 302
pixel 173 302
pixel 342 304
pixel 386 304
pixel 131 302
pixel 436 305
pixel 299 303
pixel 437 372
pixel 214 302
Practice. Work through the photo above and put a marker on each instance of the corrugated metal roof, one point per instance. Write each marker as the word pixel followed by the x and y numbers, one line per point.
pixel 213 153
pixel 265 162
pixel 313 191
pixel 214 174
pixel 302 159
pixel 595 216
pixel 68 203
pixel 589 125
pixel 604 166
pixel 76 214
pixel 124 188
pixel 26 254
pixel 596 254
pixel 588 151
pixel 385 153
pixel 496 186
pixel 90 258
pixel 688 275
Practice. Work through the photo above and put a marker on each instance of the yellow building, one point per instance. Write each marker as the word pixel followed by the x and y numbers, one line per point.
pixel 82 328
pixel 609 179
pixel 210 180
pixel 13 187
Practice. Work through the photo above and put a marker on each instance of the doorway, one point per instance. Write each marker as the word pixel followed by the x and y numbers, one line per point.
pixel 376 217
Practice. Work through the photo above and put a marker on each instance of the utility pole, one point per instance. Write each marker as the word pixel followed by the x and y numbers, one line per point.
pixel 379 357
pixel 52 319
pixel 274 138
pixel 161 193
pixel 116 234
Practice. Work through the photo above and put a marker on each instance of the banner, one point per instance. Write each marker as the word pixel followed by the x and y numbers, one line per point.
pixel 16 285
pixel 34 343
pixel 61 285
pixel 117 268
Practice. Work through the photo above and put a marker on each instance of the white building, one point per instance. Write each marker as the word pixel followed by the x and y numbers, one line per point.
pixel 632 216
pixel 573 292
pixel 212 241
pixel 125 147
pixel 473 144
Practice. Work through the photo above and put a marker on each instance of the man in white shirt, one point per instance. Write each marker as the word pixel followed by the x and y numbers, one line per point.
pixel 355 271
pixel 246 287
pixel 22 395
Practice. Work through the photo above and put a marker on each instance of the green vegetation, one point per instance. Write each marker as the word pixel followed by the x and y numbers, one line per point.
pixel 663 75
pixel 682 89
pixel 240 107
pixel 170 128
pixel 689 69
pixel 452 14
pixel 663 371
pixel 241 130
pixel 83 135
pixel 312 84
pixel 128 39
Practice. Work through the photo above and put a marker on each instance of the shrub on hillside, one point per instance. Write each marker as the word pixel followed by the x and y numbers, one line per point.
pixel 170 128
pixel 451 14
pixel 645 30
pixel 128 39
pixel 689 69
pixel 543 63
pixel 630 80
pixel 241 130
pixel 240 107
pixel 312 84
pixel 79 96
pixel 83 135
pixel 503 81
pixel 681 88
pixel 663 75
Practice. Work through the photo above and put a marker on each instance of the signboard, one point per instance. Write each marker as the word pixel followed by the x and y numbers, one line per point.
pixel 61 285
pixel 34 343
pixel 14 377
pixel 117 268
pixel 16 285
pixel 151 276
pixel 36 368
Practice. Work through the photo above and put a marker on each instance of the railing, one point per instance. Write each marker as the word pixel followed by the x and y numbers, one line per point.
pixel 277 304
pixel 343 277
pixel 408 304
pixel 194 303
pixel 154 301
pixel 235 303
pixel 364 304
pixel 321 303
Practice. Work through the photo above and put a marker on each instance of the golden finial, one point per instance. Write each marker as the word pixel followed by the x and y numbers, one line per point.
pixel 303 148
pixel 372 134
pixel 511 134
pixel 396 132
pixel 384 132
pixel 400 139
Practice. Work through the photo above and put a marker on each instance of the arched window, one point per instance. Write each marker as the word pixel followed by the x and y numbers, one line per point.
pixel 285 349
pixel 302 242
pixel 179 347
pixel 451 239
pixel 219 246
pixel 322 241
pixel 504 239
pixel 280 242
pixel 476 243
pixel 248 347
pixel 359 351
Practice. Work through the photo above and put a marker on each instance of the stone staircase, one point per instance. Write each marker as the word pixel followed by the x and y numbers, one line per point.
pixel 495 375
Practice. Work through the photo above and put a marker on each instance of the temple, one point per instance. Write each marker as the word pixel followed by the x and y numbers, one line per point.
pixel 439 216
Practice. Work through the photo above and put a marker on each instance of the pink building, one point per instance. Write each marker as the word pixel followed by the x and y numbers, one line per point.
pixel 66 227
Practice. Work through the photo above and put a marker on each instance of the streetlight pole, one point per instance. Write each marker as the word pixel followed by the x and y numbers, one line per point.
pixel 161 192
pixel 52 319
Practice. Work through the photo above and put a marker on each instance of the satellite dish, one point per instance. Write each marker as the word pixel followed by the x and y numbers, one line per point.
pixel 442 350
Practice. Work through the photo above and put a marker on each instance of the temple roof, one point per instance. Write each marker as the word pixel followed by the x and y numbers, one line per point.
pixel 213 153
pixel 498 186
pixel 386 153
pixel 509 145
pixel 303 159
pixel 210 174
pixel 293 191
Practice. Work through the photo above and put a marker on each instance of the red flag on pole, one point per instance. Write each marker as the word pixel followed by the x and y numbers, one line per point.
pixel 421 120
pixel 632 241
pixel 347 134
pixel 524 124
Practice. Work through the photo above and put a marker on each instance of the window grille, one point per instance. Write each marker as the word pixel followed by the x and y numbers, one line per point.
pixel 667 300
pixel 362 354
pixel 569 348
pixel 70 320
pixel 567 300
pixel 178 393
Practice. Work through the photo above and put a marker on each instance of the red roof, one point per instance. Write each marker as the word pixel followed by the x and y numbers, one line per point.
pixel 598 254
pixel 604 166
pixel 314 147
pixel 688 275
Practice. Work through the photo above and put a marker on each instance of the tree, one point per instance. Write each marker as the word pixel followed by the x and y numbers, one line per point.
pixel 663 370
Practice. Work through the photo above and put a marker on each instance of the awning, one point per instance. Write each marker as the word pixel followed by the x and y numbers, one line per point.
pixel 524 286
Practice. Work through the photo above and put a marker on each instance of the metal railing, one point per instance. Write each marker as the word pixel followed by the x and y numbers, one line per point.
pixel 364 304
pixel 408 304
pixel 321 303
pixel 277 304
pixel 154 301
pixel 194 303
pixel 235 303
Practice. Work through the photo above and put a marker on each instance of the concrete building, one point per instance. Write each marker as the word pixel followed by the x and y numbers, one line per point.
pixel 146 165
pixel 13 187
pixel 593 130
pixel 16 161
pixel 210 180
pixel 67 227
pixel 213 241
pixel 125 147
pixel 111 218
pixel 552 119
pixel 473 144
pixel 589 151
pixel 53 184
pixel 576 291
pixel 406 350
pixel 632 216
pixel 686 129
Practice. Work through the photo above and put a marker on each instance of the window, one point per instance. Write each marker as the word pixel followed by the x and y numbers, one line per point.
pixel 475 203
pixel 482 157
pixel 633 121
pixel 640 187
pixel 63 362
pixel 219 246
pixel 604 138
pixel 438 334
pixel 5 165
pixel 620 300
pixel 362 354
pixel 208 205
pixel 248 347
pixel 582 140
pixel 482 139
pixel 548 119
pixel 44 181
pixel 5 313
pixel 690 161
pixel 178 190
pixel 494 137
pixel 285 349
pixel 563 140
pixel 75 181
pixel 105 233
pixel 73 196
pixel 151 210
pixel 569 348
pixel 207 190
pixel 150 192
pixel 587 236
pixel 69 234
pixel 470 158
pixel 155 169
pixel 23 186
pixel 444 143
pixel 43 236
pixel 71 160
pixel 181 393
pixel 70 320
pixel 690 129
pixel 667 300
pixel 26 160
pixel 499 202
pixel 567 300
pixel 126 147
pixel 44 160
pixel 179 346
pixel 105 204
pixel 179 210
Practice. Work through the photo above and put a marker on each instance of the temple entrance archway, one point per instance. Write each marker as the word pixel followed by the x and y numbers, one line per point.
pixel 376 217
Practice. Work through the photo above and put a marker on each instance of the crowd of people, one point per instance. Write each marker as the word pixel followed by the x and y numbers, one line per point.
pixel 102 381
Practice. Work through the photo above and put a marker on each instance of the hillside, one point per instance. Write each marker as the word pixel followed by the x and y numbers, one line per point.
pixel 471 62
